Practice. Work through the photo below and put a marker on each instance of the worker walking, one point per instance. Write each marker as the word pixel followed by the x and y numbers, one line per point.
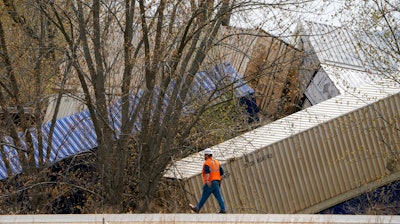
pixel 212 176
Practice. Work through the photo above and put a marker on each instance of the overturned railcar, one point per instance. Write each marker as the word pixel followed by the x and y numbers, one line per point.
pixel 308 161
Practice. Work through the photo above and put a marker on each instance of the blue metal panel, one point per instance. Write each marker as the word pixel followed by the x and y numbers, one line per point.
pixel 12 155
pixel 3 170
pixel 75 133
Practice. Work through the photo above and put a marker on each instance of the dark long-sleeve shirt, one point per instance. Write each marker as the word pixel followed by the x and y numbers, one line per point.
pixel 207 170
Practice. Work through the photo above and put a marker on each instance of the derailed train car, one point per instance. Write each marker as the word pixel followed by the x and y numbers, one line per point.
pixel 308 161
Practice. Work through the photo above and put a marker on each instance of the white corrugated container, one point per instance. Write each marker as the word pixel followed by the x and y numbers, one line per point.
pixel 70 104
pixel 308 161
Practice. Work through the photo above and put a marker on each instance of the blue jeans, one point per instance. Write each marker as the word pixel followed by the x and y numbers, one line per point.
pixel 207 191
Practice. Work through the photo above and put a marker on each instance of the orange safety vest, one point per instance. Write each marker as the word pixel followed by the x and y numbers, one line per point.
pixel 214 170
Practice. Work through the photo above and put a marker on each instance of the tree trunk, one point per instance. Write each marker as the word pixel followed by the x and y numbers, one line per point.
pixel 148 190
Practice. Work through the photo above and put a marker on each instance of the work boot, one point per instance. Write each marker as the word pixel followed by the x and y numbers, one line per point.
pixel 222 212
pixel 193 208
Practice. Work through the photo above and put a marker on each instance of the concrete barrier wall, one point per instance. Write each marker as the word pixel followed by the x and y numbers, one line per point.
pixel 197 218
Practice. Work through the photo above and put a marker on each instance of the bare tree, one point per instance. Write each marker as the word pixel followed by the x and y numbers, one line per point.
pixel 27 69
pixel 138 56
pixel 144 55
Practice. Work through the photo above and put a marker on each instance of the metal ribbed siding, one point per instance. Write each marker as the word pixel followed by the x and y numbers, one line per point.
pixel 335 45
pixel 295 164
pixel 233 44
pixel 69 105
pixel 273 67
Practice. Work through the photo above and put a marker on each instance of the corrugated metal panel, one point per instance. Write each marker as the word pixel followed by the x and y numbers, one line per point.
pixel 208 81
pixel 271 71
pixel 334 48
pixel 334 44
pixel 329 82
pixel 75 133
pixel 233 44
pixel 321 88
pixel 309 157
pixel 72 135
pixel 70 104
pixel 348 48
pixel 267 63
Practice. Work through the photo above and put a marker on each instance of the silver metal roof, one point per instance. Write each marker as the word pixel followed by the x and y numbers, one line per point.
pixel 333 45
pixel 344 47
pixel 352 80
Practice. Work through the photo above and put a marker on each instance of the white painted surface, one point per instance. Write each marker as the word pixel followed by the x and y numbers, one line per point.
pixel 198 218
